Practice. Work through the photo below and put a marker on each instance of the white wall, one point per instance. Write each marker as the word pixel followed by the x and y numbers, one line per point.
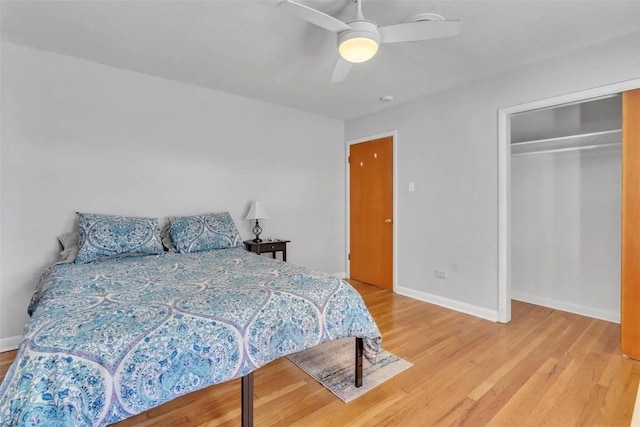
pixel 80 136
pixel 447 145
pixel 565 230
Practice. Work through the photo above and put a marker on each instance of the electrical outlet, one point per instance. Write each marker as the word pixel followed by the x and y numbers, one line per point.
pixel 441 274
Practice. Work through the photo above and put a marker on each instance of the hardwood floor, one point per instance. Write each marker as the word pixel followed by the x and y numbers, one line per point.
pixel 546 367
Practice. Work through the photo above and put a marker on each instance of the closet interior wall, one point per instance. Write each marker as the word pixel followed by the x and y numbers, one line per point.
pixel 566 207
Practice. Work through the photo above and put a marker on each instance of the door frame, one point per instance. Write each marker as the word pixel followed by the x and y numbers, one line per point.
pixel 348 144
pixel 504 178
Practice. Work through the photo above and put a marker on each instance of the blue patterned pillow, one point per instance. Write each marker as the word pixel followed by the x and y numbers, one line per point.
pixel 203 232
pixel 102 236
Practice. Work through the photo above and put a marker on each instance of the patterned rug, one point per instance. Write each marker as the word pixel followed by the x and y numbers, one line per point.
pixel 332 365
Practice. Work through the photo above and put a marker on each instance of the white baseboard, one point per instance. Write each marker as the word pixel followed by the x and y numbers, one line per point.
pixel 339 275
pixel 10 343
pixel 451 304
pixel 566 306
pixel 635 418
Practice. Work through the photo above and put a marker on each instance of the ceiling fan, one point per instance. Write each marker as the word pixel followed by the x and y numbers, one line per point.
pixel 359 39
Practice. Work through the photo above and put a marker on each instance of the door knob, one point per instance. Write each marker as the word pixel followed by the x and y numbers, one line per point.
pixel 387 221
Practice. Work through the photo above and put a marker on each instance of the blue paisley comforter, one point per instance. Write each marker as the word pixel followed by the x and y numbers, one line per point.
pixel 111 339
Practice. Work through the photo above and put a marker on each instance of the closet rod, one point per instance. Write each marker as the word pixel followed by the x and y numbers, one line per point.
pixel 560 150
pixel 580 136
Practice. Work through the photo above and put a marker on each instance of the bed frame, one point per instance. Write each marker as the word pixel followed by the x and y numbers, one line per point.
pixel 247 386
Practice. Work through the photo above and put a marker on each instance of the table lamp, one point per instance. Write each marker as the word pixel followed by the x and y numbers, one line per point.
pixel 257 212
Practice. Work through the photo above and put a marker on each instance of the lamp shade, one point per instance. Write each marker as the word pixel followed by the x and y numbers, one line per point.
pixel 256 211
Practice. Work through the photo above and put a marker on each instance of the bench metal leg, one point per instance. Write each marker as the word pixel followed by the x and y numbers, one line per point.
pixel 359 347
pixel 247 400
pixel 247 386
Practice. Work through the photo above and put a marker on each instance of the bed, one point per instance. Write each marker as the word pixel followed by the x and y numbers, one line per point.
pixel 115 337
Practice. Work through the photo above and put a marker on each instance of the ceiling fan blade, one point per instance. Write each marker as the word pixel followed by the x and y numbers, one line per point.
pixel 416 31
pixel 341 70
pixel 313 16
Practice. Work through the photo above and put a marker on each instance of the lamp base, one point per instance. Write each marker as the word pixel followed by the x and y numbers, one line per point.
pixel 256 231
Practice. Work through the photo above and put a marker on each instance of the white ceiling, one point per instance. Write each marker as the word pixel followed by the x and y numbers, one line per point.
pixel 253 49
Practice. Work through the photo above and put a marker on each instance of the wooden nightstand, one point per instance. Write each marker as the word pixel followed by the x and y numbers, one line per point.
pixel 272 246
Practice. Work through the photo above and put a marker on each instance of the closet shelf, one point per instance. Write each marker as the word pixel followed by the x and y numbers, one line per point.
pixel 585 141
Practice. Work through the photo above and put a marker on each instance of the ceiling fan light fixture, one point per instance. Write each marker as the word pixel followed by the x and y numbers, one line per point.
pixel 359 44
pixel 358 40
pixel 358 49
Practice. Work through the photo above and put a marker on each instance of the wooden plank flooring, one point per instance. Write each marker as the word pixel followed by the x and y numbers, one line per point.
pixel 545 368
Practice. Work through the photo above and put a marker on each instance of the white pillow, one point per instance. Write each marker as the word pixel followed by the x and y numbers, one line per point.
pixel 69 243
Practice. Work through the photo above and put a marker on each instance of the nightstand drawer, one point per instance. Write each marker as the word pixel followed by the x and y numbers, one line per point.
pixel 272 246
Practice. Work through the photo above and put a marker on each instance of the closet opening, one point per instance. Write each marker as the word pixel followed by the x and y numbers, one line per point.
pixel 565 206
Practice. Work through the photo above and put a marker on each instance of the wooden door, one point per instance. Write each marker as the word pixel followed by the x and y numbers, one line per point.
pixel 630 286
pixel 371 212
